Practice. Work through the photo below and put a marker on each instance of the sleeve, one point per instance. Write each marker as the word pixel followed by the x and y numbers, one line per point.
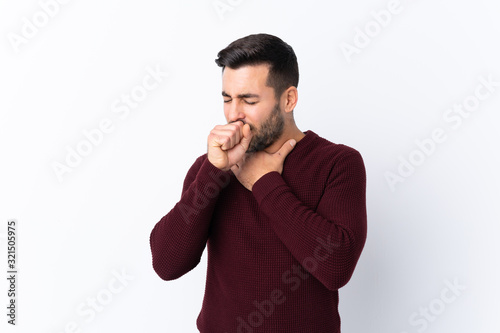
pixel 327 241
pixel 177 241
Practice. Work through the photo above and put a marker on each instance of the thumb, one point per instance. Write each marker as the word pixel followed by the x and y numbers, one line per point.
pixel 247 136
pixel 238 151
pixel 286 148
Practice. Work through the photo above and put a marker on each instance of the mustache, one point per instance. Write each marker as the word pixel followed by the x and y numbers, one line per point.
pixel 252 127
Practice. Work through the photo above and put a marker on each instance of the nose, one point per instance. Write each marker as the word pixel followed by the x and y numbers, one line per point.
pixel 234 111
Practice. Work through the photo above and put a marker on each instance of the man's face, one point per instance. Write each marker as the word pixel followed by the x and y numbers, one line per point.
pixel 247 98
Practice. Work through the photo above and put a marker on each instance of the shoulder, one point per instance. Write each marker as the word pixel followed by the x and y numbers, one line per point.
pixel 330 152
pixel 345 164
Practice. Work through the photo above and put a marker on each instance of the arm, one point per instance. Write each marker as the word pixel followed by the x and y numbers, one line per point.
pixel 179 238
pixel 328 241
pixel 177 241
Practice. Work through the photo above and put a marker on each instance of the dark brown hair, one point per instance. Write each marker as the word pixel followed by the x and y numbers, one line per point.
pixel 263 49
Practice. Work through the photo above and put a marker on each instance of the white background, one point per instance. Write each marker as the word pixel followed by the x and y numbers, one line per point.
pixel 440 224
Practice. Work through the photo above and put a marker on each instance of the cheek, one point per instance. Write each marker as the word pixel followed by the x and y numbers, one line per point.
pixel 258 115
pixel 251 118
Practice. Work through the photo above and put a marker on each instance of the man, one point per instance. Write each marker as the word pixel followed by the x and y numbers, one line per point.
pixel 282 211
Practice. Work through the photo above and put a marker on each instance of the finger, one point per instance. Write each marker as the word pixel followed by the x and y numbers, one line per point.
pixel 219 138
pixel 237 154
pixel 238 123
pixel 235 133
pixel 235 169
pixel 236 127
pixel 233 125
pixel 247 137
pixel 286 149
pixel 226 138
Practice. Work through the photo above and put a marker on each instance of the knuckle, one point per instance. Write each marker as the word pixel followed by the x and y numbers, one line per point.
pixel 212 136
pixel 232 127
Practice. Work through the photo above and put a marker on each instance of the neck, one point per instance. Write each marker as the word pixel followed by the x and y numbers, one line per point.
pixel 290 132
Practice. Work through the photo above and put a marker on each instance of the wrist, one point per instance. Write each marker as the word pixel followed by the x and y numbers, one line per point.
pixel 215 164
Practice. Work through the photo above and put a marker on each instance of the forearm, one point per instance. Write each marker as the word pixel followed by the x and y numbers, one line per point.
pixel 328 240
pixel 177 241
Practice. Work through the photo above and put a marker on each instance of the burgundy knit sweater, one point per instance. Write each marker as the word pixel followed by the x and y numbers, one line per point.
pixel 278 254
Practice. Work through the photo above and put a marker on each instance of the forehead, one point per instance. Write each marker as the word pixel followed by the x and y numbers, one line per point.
pixel 246 79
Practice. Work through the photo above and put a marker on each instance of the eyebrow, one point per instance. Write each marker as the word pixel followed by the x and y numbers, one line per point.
pixel 241 95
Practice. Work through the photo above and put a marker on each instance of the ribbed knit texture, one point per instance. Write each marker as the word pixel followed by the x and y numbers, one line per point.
pixel 278 254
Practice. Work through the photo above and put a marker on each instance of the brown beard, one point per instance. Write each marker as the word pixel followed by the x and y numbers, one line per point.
pixel 270 131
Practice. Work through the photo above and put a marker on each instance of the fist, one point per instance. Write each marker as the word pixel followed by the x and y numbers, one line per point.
pixel 227 144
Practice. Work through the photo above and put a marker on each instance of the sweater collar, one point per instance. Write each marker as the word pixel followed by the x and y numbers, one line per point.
pixel 305 141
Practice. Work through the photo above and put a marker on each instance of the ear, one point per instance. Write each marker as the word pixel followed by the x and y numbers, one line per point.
pixel 290 98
